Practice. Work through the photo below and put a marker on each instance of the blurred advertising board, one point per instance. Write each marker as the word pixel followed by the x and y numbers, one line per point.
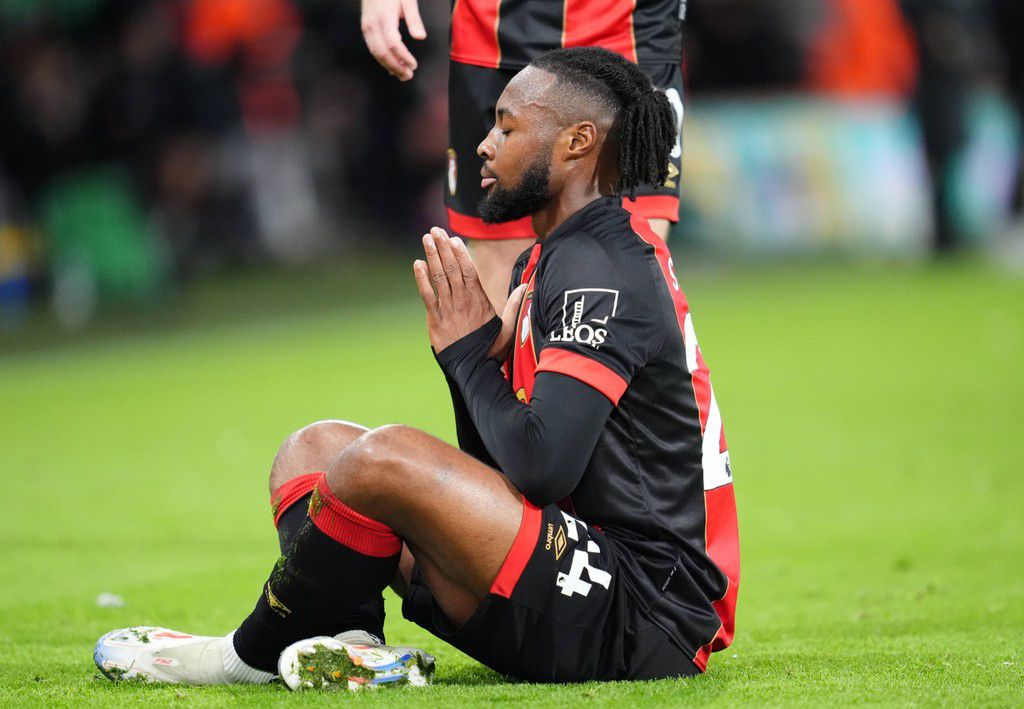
pixel 784 176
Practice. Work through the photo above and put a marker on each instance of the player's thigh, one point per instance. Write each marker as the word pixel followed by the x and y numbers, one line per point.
pixel 494 259
pixel 458 516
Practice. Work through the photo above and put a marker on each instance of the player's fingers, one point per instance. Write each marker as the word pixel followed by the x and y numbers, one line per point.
pixel 437 275
pixel 413 21
pixel 375 43
pixel 399 53
pixel 449 263
pixel 466 265
pixel 419 269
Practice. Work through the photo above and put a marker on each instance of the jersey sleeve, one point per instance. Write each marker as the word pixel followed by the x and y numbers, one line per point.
pixel 599 318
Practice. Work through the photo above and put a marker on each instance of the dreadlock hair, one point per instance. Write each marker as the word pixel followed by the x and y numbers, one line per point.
pixel 643 123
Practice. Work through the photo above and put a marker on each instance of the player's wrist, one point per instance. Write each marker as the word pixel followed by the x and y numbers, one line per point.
pixel 474 345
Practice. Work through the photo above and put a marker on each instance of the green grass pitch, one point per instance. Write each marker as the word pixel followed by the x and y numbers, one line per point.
pixel 875 417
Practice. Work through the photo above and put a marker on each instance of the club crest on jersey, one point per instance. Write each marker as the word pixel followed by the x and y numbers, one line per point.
pixel 453 171
pixel 585 316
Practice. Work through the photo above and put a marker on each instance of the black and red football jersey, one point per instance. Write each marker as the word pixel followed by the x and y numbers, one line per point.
pixel 603 306
pixel 509 34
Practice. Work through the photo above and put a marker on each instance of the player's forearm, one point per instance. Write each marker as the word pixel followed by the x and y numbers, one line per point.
pixel 544 447
pixel 469 438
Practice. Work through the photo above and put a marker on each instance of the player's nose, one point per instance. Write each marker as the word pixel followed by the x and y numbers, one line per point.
pixel 486 148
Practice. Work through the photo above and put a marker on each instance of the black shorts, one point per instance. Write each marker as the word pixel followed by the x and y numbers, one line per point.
pixel 472 93
pixel 558 611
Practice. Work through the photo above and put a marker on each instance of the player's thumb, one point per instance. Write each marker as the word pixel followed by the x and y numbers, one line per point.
pixel 515 299
pixel 413 21
pixel 503 342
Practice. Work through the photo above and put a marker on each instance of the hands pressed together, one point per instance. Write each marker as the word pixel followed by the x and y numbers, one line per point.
pixel 455 300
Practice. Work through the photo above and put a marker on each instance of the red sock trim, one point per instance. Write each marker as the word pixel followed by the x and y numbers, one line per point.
pixel 291 492
pixel 519 555
pixel 346 526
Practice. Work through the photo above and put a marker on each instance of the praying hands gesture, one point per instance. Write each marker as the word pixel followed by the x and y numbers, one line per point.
pixel 455 301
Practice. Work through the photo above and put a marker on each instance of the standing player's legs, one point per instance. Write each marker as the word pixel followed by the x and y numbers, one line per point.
pixel 494 259
pixel 660 205
pixel 472 93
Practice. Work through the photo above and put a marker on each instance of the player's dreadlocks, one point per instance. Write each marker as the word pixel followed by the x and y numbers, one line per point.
pixel 644 124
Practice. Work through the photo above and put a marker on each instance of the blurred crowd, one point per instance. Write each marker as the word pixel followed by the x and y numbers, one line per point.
pixel 145 141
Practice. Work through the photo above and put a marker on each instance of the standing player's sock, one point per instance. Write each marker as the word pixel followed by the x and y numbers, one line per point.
pixel 338 561
pixel 290 504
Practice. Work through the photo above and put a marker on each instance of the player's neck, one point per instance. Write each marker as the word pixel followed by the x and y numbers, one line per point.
pixel 570 200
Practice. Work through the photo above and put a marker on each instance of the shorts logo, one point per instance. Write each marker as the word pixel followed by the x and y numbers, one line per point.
pixel 572 582
pixel 555 542
pixel 560 543
pixel 585 316
pixel 453 171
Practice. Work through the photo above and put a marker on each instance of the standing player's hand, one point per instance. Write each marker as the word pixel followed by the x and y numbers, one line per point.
pixel 380 26
pixel 450 288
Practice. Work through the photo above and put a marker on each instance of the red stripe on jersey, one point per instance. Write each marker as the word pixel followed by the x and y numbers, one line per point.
pixel 653 206
pixel 600 23
pixel 519 555
pixel 531 263
pixel 475 33
pixel 521 366
pixel 701 379
pixel 700 376
pixel 475 228
pixel 722 540
pixel 589 371
pixel 721 530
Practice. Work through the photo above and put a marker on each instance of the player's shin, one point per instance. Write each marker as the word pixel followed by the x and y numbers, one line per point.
pixel 338 561
pixel 290 504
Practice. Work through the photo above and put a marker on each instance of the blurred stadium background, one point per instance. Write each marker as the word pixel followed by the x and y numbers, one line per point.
pixel 208 210
pixel 145 145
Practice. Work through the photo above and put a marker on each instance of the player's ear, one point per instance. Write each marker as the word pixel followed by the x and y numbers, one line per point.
pixel 582 139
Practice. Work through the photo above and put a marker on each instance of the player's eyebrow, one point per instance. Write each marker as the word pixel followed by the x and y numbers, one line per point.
pixel 502 111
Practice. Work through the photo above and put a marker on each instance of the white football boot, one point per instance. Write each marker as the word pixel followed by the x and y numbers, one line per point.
pixel 353 660
pixel 148 654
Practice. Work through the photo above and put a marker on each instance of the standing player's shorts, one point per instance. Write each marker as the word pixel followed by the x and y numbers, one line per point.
pixel 558 611
pixel 472 93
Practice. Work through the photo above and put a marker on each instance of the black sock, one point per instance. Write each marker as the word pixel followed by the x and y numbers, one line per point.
pixel 319 583
pixel 369 616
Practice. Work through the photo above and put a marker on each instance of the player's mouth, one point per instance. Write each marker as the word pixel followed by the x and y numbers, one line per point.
pixel 488 178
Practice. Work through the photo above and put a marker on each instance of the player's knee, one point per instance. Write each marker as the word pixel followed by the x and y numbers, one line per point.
pixel 311 449
pixel 375 467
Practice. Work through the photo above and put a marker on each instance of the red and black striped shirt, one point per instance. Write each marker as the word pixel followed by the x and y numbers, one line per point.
pixel 509 34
